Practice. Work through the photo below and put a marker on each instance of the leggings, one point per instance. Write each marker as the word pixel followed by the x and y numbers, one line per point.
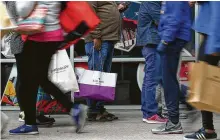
pixel 36 59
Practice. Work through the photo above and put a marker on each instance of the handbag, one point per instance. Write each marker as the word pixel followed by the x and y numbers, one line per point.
pixel 96 85
pixel 34 23
pixel 77 20
pixel 61 72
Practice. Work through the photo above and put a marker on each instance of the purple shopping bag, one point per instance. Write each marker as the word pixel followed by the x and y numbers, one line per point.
pixel 96 85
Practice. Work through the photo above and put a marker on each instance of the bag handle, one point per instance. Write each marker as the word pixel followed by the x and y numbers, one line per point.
pixel 93 59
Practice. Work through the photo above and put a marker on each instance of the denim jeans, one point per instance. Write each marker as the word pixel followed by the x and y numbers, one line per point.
pixel 102 62
pixel 151 78
pixel 169 62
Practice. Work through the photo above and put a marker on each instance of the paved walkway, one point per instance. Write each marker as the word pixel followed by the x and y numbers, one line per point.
pixel 129 127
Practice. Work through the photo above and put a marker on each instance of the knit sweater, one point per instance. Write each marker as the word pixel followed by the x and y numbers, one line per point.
pixel 24 9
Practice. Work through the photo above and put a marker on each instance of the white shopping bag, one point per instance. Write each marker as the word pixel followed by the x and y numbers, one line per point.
pixel 61 72
pixel 96 85
pixel 6 46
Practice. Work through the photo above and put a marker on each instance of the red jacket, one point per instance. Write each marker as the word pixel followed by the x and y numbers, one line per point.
pixel 77 20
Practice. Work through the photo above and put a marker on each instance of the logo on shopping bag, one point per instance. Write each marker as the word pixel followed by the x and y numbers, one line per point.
pixel 60 69
pixel 98 81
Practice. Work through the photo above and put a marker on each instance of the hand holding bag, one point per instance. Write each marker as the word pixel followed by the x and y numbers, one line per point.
pixel 96 85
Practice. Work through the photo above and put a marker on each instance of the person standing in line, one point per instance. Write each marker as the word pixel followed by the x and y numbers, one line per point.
pixel 147 36
pixel 175 31
pixel 100 46
pixel 37 53
pixel 207 24
pixel 17 45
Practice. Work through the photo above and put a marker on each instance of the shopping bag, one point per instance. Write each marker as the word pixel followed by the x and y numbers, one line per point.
pixel 34 23
pixel 78 19
pixel 204 87
pixel 61 72
pixel 6 45
pixel 96 85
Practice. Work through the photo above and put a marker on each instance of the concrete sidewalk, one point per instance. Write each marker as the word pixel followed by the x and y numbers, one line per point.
pixel 128 127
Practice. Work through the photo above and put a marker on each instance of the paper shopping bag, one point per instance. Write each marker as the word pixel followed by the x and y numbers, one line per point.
pixel 96 85
pixel 61 72
pixel 204 87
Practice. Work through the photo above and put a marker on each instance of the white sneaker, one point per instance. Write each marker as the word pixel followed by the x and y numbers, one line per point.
pixel 4 122
pixel 21 116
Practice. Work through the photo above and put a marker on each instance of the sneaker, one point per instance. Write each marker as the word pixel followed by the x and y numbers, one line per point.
pixel 201 134
pixel 79 115
pixel 21 116
pixel 168 128
pixel 25 130
pixel 43 120
pixel 4 122
pixel 155 119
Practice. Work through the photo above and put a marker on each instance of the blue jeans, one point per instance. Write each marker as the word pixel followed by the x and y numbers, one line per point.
pixel 102 62
pixel 152 77
pixel 170 61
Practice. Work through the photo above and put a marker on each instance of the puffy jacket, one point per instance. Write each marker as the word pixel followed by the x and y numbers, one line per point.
pixel 212 45
pixel 148 20
pixel 175 21
pixel 77 19
pixel 202 21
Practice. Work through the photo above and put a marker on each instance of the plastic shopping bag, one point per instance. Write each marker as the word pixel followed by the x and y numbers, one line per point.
pixel 61 72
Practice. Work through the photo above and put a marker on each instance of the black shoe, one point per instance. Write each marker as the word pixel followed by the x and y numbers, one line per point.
pixel 201 134
pixel 43 120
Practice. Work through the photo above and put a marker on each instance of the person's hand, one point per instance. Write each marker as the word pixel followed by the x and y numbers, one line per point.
pixel 121 7
pixel 192 3
pixel 161 47
pixel 97 44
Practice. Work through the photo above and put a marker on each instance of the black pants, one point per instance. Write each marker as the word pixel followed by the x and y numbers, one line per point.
pixel 18 58
pixel 36 58
pixel 207 117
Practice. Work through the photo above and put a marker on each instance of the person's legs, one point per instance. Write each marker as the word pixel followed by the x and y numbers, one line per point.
pixel 102 62
pixel 170 62
pixel 18 58
pixel 38 56
pixel 149 106
pixel 207 117
pixel 148 95
pixel 41 119
pixel 207 131
pixel 28 89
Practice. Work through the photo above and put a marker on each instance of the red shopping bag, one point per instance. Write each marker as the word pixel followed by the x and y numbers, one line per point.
pixel 78 18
